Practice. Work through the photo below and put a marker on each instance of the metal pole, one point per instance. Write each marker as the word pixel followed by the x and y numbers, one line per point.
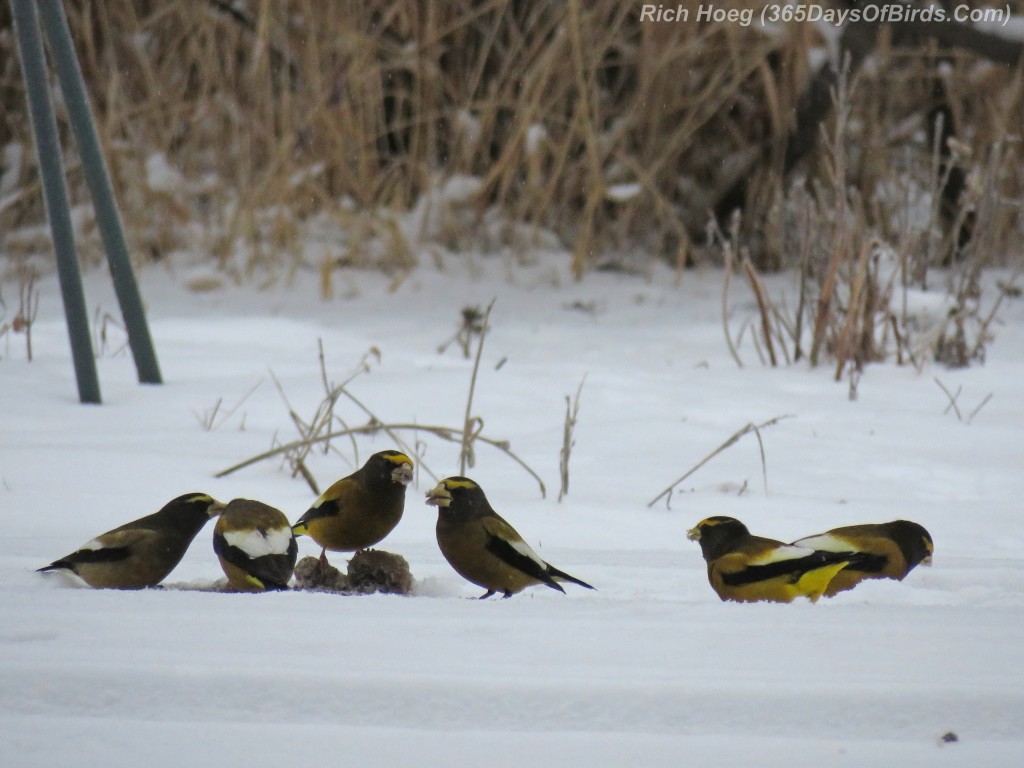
pixel 72 84
pixel 51 169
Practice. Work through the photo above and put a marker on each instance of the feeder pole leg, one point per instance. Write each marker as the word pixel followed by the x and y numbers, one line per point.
pixel 72 84
pixel 51 169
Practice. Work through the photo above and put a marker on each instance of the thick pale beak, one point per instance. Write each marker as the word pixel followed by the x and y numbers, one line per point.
pixel 439 496
pixel 216 508
pixel 402 474
pixel 929 547
pixel 693 534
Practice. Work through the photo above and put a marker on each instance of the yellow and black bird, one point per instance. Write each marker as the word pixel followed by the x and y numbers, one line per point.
pixel 141 553
pixel 359 510
pixel 255 545
pixel 885 551
pixel 747 568
pixel 482 547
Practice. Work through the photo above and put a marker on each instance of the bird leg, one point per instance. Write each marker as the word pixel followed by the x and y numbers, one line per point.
pixel 487 594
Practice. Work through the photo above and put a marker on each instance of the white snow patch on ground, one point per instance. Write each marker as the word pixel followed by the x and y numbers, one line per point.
pixel 651 669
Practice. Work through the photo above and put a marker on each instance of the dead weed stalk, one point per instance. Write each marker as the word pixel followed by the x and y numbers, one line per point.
pixel 730 441
pixel 572 410
pixel 326 426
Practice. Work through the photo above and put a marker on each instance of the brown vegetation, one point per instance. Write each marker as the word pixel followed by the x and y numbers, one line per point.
pixel 274 135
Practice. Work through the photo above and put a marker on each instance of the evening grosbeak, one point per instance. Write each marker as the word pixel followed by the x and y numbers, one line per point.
pixel 141 553
pixel 747 568
pixel 359 510
pixel 886 550
pixel 255 545
pixel 482 547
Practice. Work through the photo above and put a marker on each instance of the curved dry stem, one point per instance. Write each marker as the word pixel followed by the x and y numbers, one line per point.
pixel 751 427
pixel 445 433
pixel 466 453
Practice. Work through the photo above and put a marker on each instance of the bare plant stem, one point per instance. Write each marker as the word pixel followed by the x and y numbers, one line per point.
pixel 318 430
pixel 322 418
pixel 209 420
pixel 297 458
pixel 805 266
pixel 206 420
pixel 763 306
pixel 980 405
pixel 377 424
pixel 469 327
pixel 29 299
pixel 572 409
pixel 471 425
pixel 952 399
pixel 823 311
pixel 983 334
pixel 846 349
pixel 445 433
pixel 751 427
pixel 727 254
pixel 587 123
pixel 836 148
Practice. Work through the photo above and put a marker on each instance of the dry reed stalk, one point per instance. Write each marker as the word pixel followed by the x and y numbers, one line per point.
pixel 730 441
pixel 572 410
pixel 715 235
pixel 804 265
pixel 448 434
pixel 763 305
pixel 275 112
pixel 858 315
pixel 842 234
pixel 472 425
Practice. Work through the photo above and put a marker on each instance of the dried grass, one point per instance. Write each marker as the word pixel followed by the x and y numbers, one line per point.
pixel 271 136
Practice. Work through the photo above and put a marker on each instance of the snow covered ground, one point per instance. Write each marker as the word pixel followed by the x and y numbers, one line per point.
pixel 651 669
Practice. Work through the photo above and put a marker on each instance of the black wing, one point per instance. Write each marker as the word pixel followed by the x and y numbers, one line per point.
pixel 329 508
pixel 273 571
pixel 508 554
pixel 793 568
pixel 85 556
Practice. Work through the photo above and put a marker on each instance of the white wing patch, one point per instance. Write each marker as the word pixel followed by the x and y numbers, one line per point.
pixel 92 544
pixel 524 549
pixel 257 543
pixel 788 552
pixel 824 542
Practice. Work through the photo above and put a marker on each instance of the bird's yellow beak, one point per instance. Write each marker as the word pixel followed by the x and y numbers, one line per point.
pixel 402 474
pixel 439 496
pixel 693 534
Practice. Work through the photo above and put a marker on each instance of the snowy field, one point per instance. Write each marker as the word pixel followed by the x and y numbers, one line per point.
pixel 649 670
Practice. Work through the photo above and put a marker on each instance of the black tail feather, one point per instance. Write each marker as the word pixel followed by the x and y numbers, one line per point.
pixel 57 565
pixel 555 573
